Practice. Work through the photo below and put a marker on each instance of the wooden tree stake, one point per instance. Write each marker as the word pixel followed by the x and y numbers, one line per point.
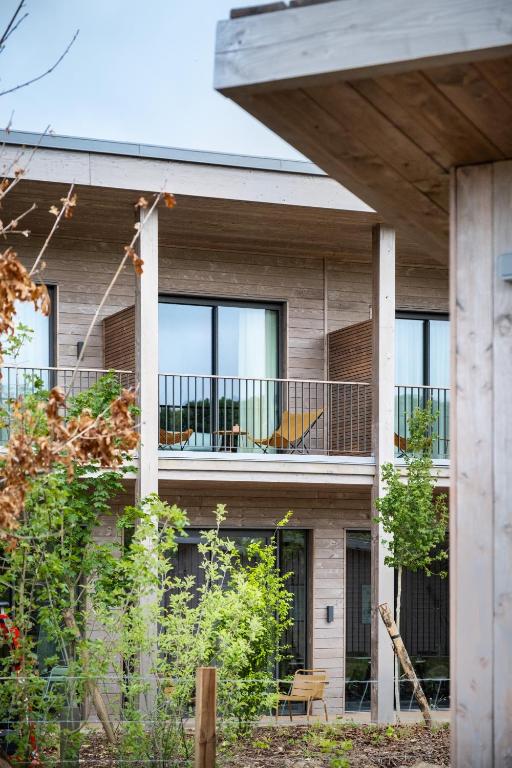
pixel 92 688
pixel 206 717
pixel 401 652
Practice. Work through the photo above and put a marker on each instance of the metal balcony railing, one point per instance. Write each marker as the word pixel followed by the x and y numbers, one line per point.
pixel 407 399
pixel 259 415
pixel 19 381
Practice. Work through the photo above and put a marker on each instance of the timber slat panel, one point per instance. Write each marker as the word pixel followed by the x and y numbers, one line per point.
pixel 350 359
pixel 119 340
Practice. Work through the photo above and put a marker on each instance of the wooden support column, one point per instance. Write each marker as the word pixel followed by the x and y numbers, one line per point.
pixel 146 356
pixel 481 460
pixel 383 583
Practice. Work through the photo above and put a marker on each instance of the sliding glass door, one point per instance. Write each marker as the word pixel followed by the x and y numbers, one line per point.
pixel 292 556
pixel 248 349
pixel 218 357
pixel 422 375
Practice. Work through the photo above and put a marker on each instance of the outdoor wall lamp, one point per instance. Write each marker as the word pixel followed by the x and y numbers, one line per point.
pixel 330 613
pixel 79 347
pixel 505 267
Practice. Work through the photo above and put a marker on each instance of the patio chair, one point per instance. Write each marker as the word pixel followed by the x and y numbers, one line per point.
pixel 308 686
pixel 401 444
pixel 175 438
pixel 291 432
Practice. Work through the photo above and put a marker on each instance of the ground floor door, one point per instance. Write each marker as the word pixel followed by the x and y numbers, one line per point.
pixel 424 628
pixel 292 559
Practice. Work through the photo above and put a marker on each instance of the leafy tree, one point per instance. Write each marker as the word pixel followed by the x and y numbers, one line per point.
pixel 234 618
pixel 413 517
pixel 47 578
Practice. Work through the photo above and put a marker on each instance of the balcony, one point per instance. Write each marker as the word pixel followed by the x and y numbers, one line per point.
pixel 230 414
pixel 258 417
pixel 18 381
pixel 437 400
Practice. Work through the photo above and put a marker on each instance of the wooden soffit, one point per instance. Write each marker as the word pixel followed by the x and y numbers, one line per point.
pixel 386 96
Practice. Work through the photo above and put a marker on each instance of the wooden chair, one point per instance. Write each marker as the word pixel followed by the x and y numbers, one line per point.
pixel 175 438
pixel 308 686
pixel 291 432
pixel 401 444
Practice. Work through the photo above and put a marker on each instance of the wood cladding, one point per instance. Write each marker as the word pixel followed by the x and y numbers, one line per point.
pixel 350 359
pixel 119 340
pixel 391 138
pixel 318 294
pixel 326 513
pixel 350 353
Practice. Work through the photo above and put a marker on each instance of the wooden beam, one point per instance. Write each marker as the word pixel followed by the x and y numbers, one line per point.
pixel 308 126
pixel 383 578
pixel 351 39
pixel 481 521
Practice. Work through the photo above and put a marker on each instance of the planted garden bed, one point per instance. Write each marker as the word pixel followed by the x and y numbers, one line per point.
pixel 341 746
pixel 319 746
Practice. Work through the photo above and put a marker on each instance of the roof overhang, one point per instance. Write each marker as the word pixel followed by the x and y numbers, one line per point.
pixel 386 96
pixel 141 168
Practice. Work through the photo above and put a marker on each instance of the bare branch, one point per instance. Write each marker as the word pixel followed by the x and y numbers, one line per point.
pixel 44 74
pixel 13 24
pixel 105 296
pixel 4 189
pixel 65 207
pixel 14 222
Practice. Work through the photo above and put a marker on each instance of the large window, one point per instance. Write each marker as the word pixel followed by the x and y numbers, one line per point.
pixel 29 363
pixel 218 355
pixel 422 352
pixel 424 628
pixel 422 375
pixel 37 349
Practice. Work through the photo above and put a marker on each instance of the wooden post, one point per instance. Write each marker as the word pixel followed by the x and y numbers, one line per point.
pixel 206 717
pixel 383 579
pixel 146 355
pixel 405 661
pixel 481 460
pixel 91 685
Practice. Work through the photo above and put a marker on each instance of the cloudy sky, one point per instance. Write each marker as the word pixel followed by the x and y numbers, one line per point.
pixel 138 71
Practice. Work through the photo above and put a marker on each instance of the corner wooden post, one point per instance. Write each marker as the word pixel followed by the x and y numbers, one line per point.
pixel 206 717
pixel 383 578
pixel 481 461
pixel 146 355
pixel 146 360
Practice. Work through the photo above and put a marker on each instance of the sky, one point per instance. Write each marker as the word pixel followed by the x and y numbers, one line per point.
pixel 138 71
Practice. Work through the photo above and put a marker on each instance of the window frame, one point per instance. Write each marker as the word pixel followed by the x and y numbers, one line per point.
pixel 215 303
pixel 426 318
pixel 193 536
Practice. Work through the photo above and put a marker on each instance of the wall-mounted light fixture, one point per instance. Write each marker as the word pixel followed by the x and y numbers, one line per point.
pixel 330 613
pixel 505 267
pixel 79 347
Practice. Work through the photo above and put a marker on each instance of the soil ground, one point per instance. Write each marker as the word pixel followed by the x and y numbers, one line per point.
pixel 342 746
pixel 318 746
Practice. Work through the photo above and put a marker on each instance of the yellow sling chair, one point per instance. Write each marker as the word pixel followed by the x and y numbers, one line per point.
pixel 291 432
